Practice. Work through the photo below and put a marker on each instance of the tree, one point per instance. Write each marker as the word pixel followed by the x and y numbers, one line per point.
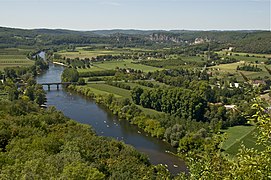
pixel 136 93
pixel 13 93
pixel 40 97
pixel 81 81
pixel 70 75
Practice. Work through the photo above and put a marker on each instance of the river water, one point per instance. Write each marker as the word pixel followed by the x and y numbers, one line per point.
pixel 104 123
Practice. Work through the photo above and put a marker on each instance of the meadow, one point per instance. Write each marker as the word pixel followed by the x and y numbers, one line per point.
pixel 110 89
pixel 82 54
pixel 247 57
pixel 238 135
pixel 244 54
pixel 124 64
pixel 86 52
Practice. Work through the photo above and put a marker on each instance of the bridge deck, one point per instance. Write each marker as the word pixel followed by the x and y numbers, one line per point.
pixel 58 83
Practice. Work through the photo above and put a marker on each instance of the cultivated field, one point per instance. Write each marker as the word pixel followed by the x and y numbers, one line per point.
pixel 125 64
pixel 231 68
pixel 111 89
pixel 85 52
pixel 14 57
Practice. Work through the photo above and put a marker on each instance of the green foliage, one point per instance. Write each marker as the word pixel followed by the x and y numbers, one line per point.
pixel 249 163
pixel 44 144
pixel 81 81
pixel 136 93
pixel 249 67
pixel 181 102
pixel 97 73
pixel 70 75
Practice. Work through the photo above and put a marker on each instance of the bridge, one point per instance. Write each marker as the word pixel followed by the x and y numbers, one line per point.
pixel 57 84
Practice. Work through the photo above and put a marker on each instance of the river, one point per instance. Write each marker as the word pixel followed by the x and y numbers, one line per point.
pixel 84 110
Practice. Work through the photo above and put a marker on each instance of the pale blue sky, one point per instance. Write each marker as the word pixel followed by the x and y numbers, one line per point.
pixel 136 14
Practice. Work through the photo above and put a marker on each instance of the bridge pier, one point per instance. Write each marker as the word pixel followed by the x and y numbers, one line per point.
pixel 57 86
pixel 48 87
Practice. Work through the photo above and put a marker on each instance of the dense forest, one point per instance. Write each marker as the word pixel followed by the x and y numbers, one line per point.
pixel 44 144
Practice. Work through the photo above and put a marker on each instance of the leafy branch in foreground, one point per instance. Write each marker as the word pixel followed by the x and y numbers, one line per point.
pixel 249 163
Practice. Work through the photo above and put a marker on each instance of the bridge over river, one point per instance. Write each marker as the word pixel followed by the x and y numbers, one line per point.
pixel 49 84
pixel 57 84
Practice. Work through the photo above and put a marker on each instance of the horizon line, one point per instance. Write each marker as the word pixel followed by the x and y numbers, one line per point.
pixel 139 29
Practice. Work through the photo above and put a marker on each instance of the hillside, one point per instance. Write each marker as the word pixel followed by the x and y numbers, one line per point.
pixel 245 41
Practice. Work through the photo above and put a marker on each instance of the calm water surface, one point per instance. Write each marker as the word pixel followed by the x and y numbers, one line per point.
pixel 104 123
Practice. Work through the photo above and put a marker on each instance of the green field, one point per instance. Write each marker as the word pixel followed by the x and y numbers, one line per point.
pixel 244 54
pixel 81 53
pixel 148 111
pixel 125 64
pixel 238 135
pixel 87 52
pixel 133 84
pixel 110 89
pixel 109 65
pixel 12 57
pixel 231 68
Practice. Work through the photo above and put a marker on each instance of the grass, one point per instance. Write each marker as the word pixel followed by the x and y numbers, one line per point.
pixel 238 135
pixel 132 85
pixel 92 68
pixel 111 89
pixel 193 59
pixel 81 53
pixel 12 57
pixel 97 91
pixel 125 64
pixel 111 65
pixel 148 111
pixel 244 54
pixel 231 68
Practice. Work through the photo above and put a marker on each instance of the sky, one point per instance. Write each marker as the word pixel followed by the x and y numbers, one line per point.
pixel 137 14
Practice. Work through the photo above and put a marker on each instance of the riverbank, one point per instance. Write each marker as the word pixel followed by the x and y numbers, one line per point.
pixel 61 64
pixel 124 109
pixel 105 123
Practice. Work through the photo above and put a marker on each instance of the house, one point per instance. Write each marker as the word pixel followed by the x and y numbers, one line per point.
pixel 257 83
pixel 231 48
pixel 199 41
pixel 236 85
pixel 230 107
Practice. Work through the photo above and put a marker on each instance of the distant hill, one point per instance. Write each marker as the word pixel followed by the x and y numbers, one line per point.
pixel 245 40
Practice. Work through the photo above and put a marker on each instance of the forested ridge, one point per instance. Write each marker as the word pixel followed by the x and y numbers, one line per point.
pixel 243 41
